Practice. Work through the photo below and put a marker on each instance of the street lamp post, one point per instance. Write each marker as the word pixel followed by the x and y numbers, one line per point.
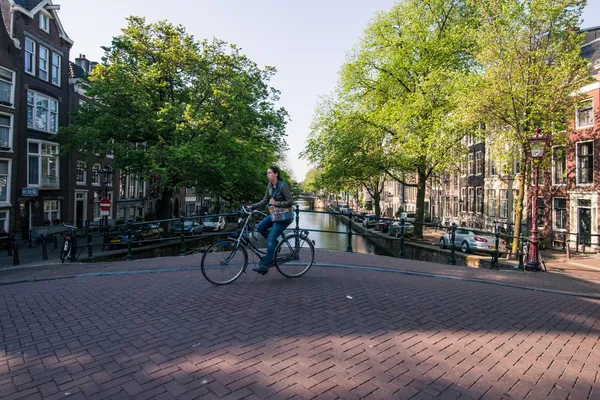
pixel 537 144
pixel 106 175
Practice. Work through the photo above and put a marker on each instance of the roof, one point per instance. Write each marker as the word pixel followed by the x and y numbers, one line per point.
pixel 75 71
pixel 591 51
pixel 28 4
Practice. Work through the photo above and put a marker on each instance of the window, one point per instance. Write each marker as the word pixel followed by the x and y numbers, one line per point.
pixel 80 179
pixel 4 181
pixel 95 174
pixel 42 112
pixel 503 203
pixel 515 196
pixel 463 166
pixel 5 132
pixel 130 186
pixel 463 199
pixel 559 166
pixel 51 210
pixel 541 211
pixel 479 163
pixel 4 221
pixel 43 64
pixel 56 69
pixel 44 22
pixel 479 201
pixel 493 168
pixel 447 206
pixel 585 114
pixel 492 202
pixel 471 199
pixel 140 188
pixel 42 164
pixel 560 213
pixel 585 163
pixel 7 87
pixel 470 166
pixel 455 206
pixel 123 187
pixel 29 56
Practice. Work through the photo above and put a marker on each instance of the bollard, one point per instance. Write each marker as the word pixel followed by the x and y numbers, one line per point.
pixel 520 254
pixel 129 244
pixel 55 242
pixel 89 251
pixel 16 254
pixel 9 246
pixel 44 249
pixel 30 235
pixel 402 254
pixel 568 245
pixel 349 248
pixel 182 238
pixel 496 256
pixel 452 260
pixel 297 217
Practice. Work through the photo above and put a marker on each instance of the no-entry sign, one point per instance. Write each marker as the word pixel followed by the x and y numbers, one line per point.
pixel 104 207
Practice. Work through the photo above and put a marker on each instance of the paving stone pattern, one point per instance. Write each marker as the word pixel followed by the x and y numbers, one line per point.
pixel 334 333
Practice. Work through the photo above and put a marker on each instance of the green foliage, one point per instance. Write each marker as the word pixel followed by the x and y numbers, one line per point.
pixel 194 113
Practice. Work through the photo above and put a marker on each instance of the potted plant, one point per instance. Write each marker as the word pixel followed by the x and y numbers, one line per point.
pixel 56 221
pixel 47 222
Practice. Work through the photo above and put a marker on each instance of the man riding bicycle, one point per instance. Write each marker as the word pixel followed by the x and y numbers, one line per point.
pixel 280 200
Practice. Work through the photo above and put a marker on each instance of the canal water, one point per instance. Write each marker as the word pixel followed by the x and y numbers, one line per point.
pixel 332 241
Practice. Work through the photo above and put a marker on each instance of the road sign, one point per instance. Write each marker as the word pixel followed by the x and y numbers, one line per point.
pixel 104 207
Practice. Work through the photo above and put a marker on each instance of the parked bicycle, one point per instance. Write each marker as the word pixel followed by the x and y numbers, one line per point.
pixel 540 258
pixel 226 259
pixel 69 249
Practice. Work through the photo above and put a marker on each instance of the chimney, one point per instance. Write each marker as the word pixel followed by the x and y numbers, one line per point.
pixel 93 65
pixel 83 62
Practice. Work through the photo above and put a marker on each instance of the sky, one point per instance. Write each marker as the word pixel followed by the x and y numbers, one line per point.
pixel 307 41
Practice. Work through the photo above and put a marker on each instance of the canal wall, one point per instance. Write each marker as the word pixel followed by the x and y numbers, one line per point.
pixel 421 251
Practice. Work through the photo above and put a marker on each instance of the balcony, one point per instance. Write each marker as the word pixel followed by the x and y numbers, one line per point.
pixel 49 182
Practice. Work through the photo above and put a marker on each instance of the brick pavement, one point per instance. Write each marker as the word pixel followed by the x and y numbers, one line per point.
pixel 334 333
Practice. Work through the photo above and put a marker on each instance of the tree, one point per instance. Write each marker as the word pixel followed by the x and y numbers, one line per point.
pixel 404 76
pixel 310 183
pixel 193 113
pixel 530 68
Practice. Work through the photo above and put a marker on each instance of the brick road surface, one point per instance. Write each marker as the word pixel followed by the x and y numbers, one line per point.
pixel 345 333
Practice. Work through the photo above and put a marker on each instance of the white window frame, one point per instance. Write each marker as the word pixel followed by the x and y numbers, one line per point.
pixel 56 74
pixel 578 172
pixel 30 54
pixel 577 126
pixel 42 61
pixel 12 88
pixel 479 163
pixel 554 227
pixel 96 174
pixel 4 221
pixel 479 206
pixel 11 125
pixel 564 149
pixel 463 197
pixel 491 203
pixel 40 157
pixel 504 204
pixel 7 203
pixel 83 176
pixel 470 164
pixel 472 201
pixel 54 213
pixel 43 17
pixel 36 95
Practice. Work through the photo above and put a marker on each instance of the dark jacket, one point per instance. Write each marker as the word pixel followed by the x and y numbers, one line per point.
pixel 283 198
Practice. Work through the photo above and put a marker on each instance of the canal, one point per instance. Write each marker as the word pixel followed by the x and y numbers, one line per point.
pixel 332 241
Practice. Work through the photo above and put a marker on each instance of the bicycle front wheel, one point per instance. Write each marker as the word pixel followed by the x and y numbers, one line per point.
pixel 294 256
pixel 224 261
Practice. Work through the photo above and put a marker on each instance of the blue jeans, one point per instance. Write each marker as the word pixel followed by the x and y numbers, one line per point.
pixel 277 229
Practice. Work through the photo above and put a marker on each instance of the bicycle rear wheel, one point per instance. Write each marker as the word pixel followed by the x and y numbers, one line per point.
pixel 294 256
pixel 224 261
pixel 66 251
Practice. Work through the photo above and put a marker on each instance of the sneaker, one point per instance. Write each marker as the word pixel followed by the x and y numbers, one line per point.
pixel 261 269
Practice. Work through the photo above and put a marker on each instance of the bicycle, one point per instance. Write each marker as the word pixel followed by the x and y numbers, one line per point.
pixel 225 260
pixel 540 258
pixel 70 245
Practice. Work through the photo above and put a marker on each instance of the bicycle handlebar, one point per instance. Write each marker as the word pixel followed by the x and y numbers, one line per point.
pixel 251 211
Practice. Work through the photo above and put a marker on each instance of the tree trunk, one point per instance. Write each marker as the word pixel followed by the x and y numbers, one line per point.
pixel 519 207
pixel 376 205
pixel 421 181
pixel 163 209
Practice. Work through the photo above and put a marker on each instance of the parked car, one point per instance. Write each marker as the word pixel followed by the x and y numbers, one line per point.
pixel 189 228
pixel 467 240
pixel 394 230
pixel 358 216
pixel 383 225
pixel 369 221
pixel 410 217
pixel 121 237
pixel 214 223
pixel 345 210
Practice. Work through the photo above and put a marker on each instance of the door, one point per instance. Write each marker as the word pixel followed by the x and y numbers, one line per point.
pixel 79 213
pixel 585 225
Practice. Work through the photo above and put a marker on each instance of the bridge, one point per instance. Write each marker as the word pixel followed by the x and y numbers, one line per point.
pixel 356 326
